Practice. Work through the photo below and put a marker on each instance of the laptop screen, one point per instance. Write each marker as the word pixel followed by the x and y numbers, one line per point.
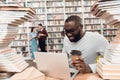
pixel 54 65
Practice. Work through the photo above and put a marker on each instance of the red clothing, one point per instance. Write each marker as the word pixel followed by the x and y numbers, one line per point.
pixel 43 31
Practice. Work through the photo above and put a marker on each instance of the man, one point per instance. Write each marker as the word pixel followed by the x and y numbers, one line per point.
pixel 42 37
pixel 91 44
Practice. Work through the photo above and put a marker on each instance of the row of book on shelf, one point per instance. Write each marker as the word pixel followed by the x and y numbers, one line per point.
pixel 53 3
pixel 53 41
pixel 55 47
pixel 53 35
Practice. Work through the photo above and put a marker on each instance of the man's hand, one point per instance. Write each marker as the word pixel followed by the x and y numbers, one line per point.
pixel 81 66
pixel 40 34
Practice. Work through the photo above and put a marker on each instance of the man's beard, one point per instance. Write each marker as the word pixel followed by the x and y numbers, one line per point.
pixel 76 38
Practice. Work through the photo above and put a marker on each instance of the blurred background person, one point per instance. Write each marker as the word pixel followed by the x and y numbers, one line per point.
pixel 42 37
pixel 33 41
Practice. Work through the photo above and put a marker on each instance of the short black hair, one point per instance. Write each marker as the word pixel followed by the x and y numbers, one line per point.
pixel 39 24
pixel 74 18
pixel 32 28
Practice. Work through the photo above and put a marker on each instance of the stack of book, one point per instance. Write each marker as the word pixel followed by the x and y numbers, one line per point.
pixel 112 54
pixel 11 62
pixel 108 10
pixel 108 70
pixel 11 15
pixel 109 66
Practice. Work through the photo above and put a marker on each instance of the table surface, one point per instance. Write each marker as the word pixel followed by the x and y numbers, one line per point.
pixel 78 77
pixel 86 76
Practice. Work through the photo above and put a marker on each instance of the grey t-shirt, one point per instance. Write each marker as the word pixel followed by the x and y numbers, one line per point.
pixel 89 45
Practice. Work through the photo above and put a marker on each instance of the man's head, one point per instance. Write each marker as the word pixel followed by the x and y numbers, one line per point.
pixel 73 28
pixel 40 25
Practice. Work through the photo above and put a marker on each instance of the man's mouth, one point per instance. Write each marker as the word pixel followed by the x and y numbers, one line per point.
pixel 71 38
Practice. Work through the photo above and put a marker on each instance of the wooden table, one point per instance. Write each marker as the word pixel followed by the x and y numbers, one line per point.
pixel 78 77
pixel 86 76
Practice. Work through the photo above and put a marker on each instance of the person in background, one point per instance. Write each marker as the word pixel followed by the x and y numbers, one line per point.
pixel 91 44
pixel 42 37
pixel 33 41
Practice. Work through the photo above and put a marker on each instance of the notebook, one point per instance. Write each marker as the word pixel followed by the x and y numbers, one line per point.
pixel 54 65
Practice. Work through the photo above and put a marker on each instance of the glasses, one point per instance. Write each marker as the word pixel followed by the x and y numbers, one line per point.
pixel 71 31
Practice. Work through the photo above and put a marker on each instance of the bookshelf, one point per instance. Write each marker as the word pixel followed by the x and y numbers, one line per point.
pixel 40 7
pixel 21 42
pixel 55 20
pixel 52 14
pixel 109 31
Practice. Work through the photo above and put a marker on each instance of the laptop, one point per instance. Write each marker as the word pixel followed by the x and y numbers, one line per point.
pixel 54 65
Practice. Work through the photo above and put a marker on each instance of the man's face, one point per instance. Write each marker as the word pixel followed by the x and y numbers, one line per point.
pixel 39 26
pixel 73 31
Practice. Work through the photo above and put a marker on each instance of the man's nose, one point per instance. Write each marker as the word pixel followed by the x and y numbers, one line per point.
pixel 69 34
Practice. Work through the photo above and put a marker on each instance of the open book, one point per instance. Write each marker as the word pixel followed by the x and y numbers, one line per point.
pixel 29 73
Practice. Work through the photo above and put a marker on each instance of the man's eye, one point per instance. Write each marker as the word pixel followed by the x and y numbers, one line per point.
pixel 72 31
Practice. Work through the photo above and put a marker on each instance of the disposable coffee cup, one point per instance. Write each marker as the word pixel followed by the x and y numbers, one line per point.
pixel 76 56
